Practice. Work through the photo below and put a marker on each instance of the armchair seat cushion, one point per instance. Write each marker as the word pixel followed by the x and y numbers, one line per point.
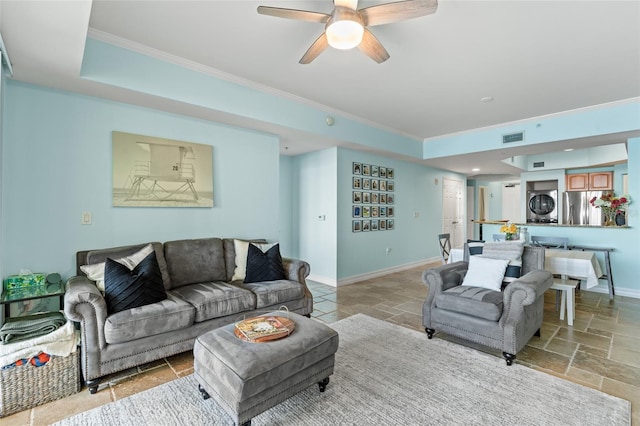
pixel 144 321
pixel 476 301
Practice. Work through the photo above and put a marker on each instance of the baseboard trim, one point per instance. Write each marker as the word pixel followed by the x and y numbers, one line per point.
pixel 322 280
pixel 369 275
pixel 620 291
pixel 385 271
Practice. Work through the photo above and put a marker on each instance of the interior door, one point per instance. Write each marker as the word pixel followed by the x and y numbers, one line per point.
pixel 511 203
pixel 453 210
pixel 471 202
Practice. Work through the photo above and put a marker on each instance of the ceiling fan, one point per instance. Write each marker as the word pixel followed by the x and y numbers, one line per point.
pixel 346 26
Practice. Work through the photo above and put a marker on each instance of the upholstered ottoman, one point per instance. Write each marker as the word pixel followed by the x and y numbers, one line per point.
pixel 248 378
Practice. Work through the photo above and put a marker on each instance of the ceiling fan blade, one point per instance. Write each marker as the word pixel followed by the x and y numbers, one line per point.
pixel 318 46
pixel 373 48
pixel 398 11
pixel 300 15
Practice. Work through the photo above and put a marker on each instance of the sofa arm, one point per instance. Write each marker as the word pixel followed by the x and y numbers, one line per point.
pixel 444 277
pixel 440 279
pixel 84 303
pixel 528 288
pixel 296 270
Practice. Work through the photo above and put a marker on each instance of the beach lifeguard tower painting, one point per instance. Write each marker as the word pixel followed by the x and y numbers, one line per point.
pixel 157 172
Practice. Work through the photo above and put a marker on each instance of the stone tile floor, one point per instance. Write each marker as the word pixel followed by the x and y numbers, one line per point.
pixel 601 350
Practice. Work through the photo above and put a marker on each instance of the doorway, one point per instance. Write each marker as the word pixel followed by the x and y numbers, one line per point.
pixel 511 199
pixel 453 210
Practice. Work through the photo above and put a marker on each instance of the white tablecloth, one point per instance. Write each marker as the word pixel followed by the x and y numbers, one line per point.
pixel 574 263
pixel 455 255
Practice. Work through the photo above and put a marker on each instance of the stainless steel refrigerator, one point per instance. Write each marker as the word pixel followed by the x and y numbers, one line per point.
pixel 576 209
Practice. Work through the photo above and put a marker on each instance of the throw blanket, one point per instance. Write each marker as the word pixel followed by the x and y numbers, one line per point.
pixel 61 342
pixel 23 328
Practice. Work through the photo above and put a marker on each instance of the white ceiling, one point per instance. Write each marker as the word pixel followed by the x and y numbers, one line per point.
pixel 535 58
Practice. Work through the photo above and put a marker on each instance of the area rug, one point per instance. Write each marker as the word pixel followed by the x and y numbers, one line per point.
pixel 389 375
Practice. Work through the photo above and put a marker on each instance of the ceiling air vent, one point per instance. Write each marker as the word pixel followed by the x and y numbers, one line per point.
pixel 513 137
pixel 538 164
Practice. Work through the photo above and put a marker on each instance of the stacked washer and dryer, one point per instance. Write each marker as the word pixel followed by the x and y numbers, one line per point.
pixel 542 201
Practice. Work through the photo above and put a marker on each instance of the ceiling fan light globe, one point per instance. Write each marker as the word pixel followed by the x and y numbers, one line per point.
pixel 345 34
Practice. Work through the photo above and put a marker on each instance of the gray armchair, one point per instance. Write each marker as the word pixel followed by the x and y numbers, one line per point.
pixel 504 320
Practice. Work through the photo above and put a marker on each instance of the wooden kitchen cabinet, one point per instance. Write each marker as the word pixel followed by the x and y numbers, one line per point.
pixel 596 181
pixel 577 182
pixel 602 181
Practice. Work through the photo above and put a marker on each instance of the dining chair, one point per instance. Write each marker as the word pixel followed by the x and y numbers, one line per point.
pixel 550 242
pixel 445 247
pixel 499 237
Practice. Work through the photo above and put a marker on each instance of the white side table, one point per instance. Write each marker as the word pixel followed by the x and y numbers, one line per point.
pixel 568 288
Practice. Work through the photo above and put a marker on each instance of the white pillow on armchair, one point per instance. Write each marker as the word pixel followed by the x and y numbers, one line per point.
pixel 485 272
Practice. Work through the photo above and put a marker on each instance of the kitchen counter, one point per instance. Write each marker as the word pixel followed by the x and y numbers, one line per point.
pixel 555 225
pixel 563 225
pixel 540 225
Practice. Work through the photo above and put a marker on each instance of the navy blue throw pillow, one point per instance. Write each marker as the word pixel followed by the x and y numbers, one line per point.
pixel 475 246
pixel 125 289
pixel 265 266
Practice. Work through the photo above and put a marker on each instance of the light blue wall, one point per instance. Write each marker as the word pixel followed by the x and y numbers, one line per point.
pixel 315 196
pixel 578 124
pixel 119 67
pixel 2 91
pixel 414 239
pixel 286 230
pixel 56 163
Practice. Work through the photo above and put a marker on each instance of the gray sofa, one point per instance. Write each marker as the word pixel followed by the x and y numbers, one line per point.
pixel 504 320
pixel 197 277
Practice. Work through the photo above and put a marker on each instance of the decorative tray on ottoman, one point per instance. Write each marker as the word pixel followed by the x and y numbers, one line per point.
pixel 264 328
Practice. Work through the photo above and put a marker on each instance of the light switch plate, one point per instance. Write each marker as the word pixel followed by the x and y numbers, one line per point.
pixel 86 218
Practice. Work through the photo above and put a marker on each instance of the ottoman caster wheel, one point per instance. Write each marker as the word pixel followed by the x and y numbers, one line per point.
pixel 205 394
pixel 247 423
pixel 323 384
pixel 430 332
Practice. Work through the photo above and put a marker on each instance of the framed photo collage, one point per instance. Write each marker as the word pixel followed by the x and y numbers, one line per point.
pixel 373 198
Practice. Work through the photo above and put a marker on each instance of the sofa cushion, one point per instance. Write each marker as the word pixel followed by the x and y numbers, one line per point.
pixel 169 315
pixel 216 299
pixel 100 256
pixel 195 261
pixel 476 301
pixel 270 293
pixel 264 265
pixel 127 289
